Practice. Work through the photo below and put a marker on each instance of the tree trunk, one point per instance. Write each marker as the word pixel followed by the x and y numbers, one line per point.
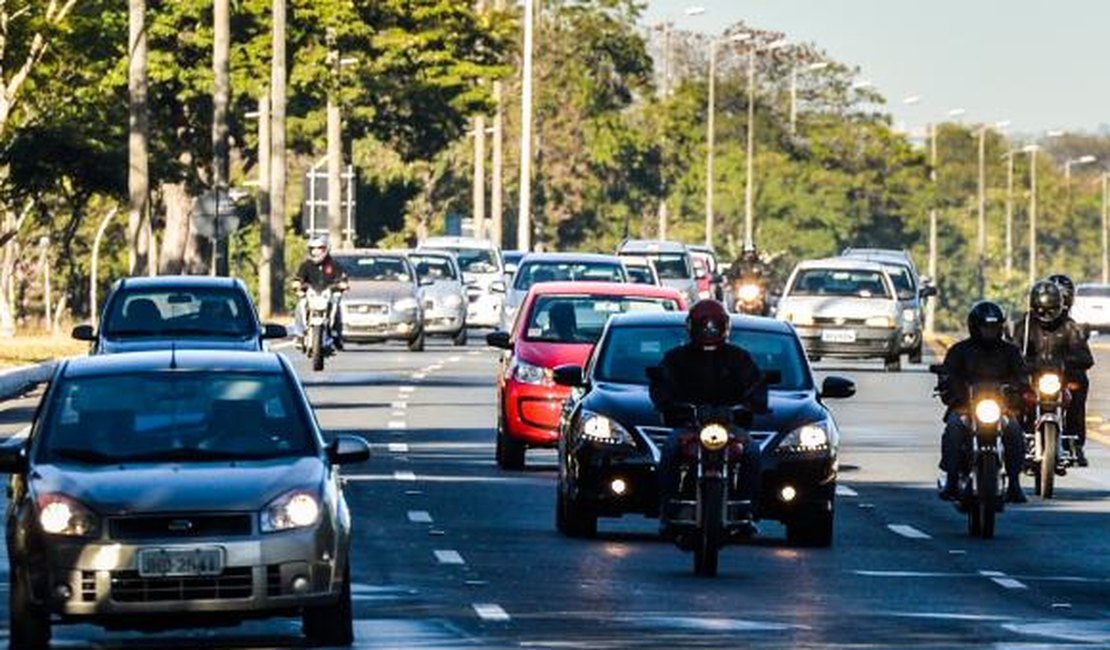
pixel 221 53
pixel 177 236
pixel 278 78
pixel 139 236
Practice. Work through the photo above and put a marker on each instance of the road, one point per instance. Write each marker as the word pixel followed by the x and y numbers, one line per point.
pixel 450 552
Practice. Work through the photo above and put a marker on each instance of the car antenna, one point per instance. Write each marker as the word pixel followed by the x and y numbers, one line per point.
pixel 173 355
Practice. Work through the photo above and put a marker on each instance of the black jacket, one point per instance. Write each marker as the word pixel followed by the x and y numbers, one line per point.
pixel 1061 343
pixel 972 362
pixel 723 377
pixel 320 276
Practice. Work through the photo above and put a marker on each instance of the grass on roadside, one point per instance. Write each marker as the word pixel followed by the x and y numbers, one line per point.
pixel 29 349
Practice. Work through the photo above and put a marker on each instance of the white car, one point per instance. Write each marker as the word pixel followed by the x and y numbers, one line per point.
pixel 1092 306
pixel 484 274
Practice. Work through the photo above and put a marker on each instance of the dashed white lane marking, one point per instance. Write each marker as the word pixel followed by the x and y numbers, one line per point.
pixel 845 491
pixel 397 424
pixel 455 359
pixel 905 530
pixel 420 517
pixel 399 405
pixel 991 574
pixel 418 376
pixel 490 612
pixel 400 413
pixel 1009 583
pixel 406 389
pixel 434 367
pixel 449 557
pixel 404 475
pixel 398 448
pixel 473 353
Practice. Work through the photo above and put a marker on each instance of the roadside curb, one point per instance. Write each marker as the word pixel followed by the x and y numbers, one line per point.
pixel 16 381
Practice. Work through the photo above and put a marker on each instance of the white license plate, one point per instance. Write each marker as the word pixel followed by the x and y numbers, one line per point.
pixel 838 336
pixel 175 562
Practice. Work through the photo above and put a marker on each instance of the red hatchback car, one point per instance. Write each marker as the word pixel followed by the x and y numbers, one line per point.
pixel 558 324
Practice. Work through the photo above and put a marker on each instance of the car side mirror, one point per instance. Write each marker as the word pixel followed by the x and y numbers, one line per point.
pixel 497 286
pixel 499 339
pixel 838 388
pixel 274 331
pixel 772 377
pixel 84 333
pixel 654 373
pixel 348 450
pixel 929 291
pixel 570 376
pixel 13 459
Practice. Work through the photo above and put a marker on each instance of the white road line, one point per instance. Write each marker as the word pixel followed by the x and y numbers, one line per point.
pixel 845 491
pixel 1009 583
pixel 449 557
pixel 398 413
pixel 455 359
pixel 398 448
pixel 991 574
pixel 417 376
pixel 434 367
pixel 399 405
pixel 474 353
pixel 490 612
pixel 419 517
pixel 407 389
pixel 285 345
pixel 397 424
pixel 905 530
pixel 404 475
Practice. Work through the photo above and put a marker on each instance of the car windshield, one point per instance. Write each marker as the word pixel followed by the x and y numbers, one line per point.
pixel 669 266
pixel 376 268
pixel 1093 291
pixel 639 274
pixel 855 283
pixel 173 416
pixel 476 260
pixel 433 267
pixel 180 311
pixel 531 273
pixel 628 352
pixel 581 319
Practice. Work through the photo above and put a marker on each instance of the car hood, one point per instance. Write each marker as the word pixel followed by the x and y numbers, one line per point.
pixel 482 280
pixel 631 405
pixel 838 306
pixel 116 346
pixel 178 487
pixel 553 355
pixel 442 289
pixel 385 291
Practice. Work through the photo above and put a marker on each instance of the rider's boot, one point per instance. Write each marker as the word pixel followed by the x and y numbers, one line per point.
pixel 951 490
pixel 1014 493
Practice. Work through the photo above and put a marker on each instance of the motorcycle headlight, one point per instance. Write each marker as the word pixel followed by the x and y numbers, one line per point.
pixel 598 428
pixel 713 437
pixel 1049 384
pixel 406 304
pixel 61 515
pixel 292 510
pixel 909 315
pixel 879 321
pixel 748 292
pixel 815 436
pixel 318 302
pixel 988 411
pixel 527 373
pixel 452 301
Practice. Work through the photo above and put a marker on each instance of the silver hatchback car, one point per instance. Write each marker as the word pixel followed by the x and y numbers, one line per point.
pixel 442 293
pixel 383 302
pixel 170 489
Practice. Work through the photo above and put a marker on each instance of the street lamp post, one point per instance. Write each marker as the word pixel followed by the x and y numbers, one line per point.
pixel 749 235
pixel 1009 261
pixel 1082 160
pixel 524 214
pixel 710 128
pixel 1032 151
pixel 812 67
pixel 1105 230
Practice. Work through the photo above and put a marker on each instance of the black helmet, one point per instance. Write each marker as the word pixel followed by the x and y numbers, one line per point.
pixel 1067 288
pixel 985 321
pixel 1046 301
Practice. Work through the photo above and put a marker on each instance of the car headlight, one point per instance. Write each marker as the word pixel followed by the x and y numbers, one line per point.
pixel 879 321
pixel 815 436
pixel 527 373
pixel 713 437
pixel 598 428
pixel 748 292
pixel 406 304
pixel 292 510
pixel 909 315
pixel 61 515
pixel 452 301
pixel 988 411
pixel 799 319
pixel 1049 384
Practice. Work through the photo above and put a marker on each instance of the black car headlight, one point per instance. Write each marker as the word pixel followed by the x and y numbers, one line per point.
pixel 64 516
pixel 598 428
pixel 292 510
pixel 812 437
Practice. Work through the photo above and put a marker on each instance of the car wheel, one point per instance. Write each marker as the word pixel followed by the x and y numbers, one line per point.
pixel 510 452
pixel 331 625
pixel 893 364
pixel 572 519
pixel 460 338
pixel 29 625
pixel 417 344
pixel 917 354
pixel 815 530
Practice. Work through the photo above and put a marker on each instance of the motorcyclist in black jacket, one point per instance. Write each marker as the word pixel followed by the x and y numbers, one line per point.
pixel 1047 336
pixel 984 357
pixel 707 371
pixel 320 271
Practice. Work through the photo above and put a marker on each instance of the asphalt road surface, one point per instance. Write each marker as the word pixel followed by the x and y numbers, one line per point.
pixel 450 552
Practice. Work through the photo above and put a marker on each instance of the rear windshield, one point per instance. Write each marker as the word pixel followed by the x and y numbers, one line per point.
pixel 1093 291
pixel 174 416
pixel 581 319
pixel 476 260
pixel 531 273
pixel 433 267
pixel 210 311
pixel 669 266
pixel 628 352
pixel 840 282
pixel 376 268
pixel 639 274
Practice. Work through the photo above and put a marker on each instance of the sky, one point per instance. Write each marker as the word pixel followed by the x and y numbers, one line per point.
pixel 1041 64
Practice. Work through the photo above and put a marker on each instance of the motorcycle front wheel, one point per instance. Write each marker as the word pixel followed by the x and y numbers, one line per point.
pixel 987 496
pixel 1046 473
pixel 708 544
pixel 316 347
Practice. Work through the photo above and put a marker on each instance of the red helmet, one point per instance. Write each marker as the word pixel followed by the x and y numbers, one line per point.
pixel 708 324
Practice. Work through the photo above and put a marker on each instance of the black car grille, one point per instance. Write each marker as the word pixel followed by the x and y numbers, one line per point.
pixel 273 580
pixel 233 583
pixel 181 526
pixel 88 586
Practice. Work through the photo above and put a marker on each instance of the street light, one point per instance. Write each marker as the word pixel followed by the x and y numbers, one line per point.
pixel 1032 150
pixel 981 248
pixel 1105 229
pixel 710 127
pixel 812 67
pixel 749 239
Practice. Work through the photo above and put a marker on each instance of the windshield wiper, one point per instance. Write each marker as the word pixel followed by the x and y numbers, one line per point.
pixel 88 456
pixel 197 331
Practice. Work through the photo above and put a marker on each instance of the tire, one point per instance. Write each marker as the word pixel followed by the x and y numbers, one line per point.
pixel 460 338
pixel 316 348
pixel 1050 443
pixel 987 498
pixel 510 452
pixel 417 344
pixel 708 546
pixel 814 532
pixel 331 625
pixel 893 364
pixel 917 354
pixel 571 519
pixel 29 626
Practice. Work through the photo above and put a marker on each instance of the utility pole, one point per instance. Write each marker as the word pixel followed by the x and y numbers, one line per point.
pixel 981 247
pixel 1032 215
pixel 265 268
pixel 478 201
pixel 664 92
pixel 138 149
pixel 277 157
pixel 710 143
pixel 335 148
pixel 497 209
pixel 524 217
pixel 1009 213
pixel 749 228
pixel 931 305
pixel 221 99
pixel 1105 231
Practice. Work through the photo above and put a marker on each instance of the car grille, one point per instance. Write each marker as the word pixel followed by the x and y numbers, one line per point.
pixel 376 308
pixel 88 586
pixel 273 580
pixel 838 321
pixel 657 436
pixel 234 583
pixel 181 526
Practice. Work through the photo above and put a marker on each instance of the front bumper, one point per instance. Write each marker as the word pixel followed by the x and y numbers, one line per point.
pixel 911 336
pixel 444 320
pixel 394 325
pixel 257 580
pixel 867 343
pixel 594 467
pixel 812 475
pixel 485 310
pixel 532 412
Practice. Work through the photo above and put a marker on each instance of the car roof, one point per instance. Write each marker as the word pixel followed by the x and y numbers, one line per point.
pixel 358 252
pixel 701 248
pixel 456 242
pixel 678 319
pixel 173 360
pixel 604 289
pixel 842 263
pixel 432 252
pixel 651 246
pixel 187 281
pixel 888 255
pixel 570 257
pixel 1092 285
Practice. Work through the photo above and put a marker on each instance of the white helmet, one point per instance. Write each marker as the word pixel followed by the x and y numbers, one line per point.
pixel 318 248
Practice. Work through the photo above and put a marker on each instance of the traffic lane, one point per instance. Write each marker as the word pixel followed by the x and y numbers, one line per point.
pixel 1098 399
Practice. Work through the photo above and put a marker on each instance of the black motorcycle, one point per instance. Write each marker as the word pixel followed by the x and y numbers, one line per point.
pixel 1048 451
pixel 749 297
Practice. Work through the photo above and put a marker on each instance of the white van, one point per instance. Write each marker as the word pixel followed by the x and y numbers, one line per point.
pixel 484 274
